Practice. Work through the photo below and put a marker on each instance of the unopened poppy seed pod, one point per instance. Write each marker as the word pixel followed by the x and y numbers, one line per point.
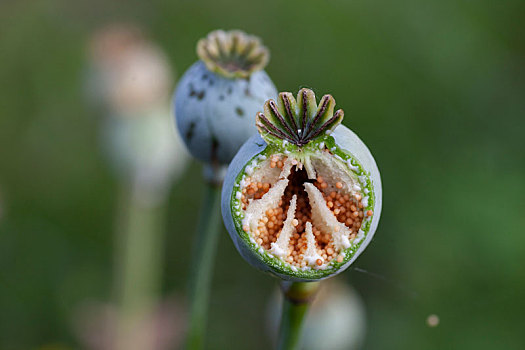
pixel 302 200
pixel 130 79
pixel 218 95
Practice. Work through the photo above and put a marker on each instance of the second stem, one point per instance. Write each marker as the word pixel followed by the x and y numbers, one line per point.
pixel 204 253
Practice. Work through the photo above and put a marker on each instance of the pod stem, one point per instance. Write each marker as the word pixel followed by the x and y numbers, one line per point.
pixel 297 298
pixel 138 258
pixel 204 252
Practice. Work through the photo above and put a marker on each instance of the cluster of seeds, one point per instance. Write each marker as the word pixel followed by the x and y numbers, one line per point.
pixel 254 190
pixel 297 246
pixel 348 210
pixel 271 224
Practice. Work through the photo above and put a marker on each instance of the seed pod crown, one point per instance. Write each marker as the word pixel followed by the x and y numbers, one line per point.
pixel 233 54
pixel 298 122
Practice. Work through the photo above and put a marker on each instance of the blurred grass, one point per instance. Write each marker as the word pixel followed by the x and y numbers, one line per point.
pixel 435 88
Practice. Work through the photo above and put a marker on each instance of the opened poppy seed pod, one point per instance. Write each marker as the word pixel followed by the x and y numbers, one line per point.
pixel 218 96
pixel 302 200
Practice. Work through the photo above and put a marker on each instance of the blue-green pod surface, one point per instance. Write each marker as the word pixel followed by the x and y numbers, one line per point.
pixel 218 96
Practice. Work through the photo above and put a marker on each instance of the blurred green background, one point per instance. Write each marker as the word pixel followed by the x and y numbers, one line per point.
pixel 435 88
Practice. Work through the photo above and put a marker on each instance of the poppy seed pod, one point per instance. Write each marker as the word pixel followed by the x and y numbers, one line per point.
pixel 218 95
pixel 302 200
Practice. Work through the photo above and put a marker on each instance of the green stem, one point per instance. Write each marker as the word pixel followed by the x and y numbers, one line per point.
pixel 202 266
pixel 297 297
pixel 138 262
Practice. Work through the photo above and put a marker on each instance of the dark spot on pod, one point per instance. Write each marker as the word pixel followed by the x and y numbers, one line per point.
pixel 210 82
pixel 221 97
pixel 239 111
pixel 194 93
pixel 229 91
pixel 189 133
pixel 247 92
pixel 204 76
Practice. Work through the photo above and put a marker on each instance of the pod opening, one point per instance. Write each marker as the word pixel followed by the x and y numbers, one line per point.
pixel 304 212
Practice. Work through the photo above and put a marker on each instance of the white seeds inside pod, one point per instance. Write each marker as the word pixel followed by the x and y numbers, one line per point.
pixel 306 211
